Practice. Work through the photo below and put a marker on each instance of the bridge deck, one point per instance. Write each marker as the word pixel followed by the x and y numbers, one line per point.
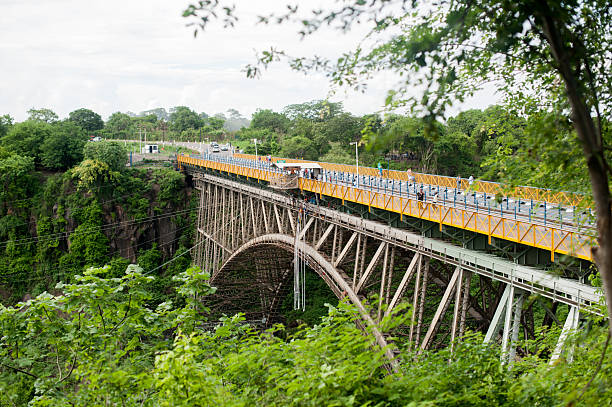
pixel 556 237
pixel 564 198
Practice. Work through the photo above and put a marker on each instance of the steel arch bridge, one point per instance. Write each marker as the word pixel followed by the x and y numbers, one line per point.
pixel 248 236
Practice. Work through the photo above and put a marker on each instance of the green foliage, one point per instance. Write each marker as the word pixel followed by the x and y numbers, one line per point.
pixel 16 182
pixel 183 118
pixel 97 334
pixel 63 148
pixel 26 138
pixel 316 110
pixel 112 154
pixel 299 147
pixel 6 122
pixel 43 115
pixel 270 120
pixel 119 126
pixel 149 259
pixel 170 185
pixel 339 154
pixel 92 174
pixel 101 342
pixel 86 119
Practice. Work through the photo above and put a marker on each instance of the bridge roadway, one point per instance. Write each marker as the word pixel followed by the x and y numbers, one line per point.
pixel 525 193
pixel 457 208
pixel 243 231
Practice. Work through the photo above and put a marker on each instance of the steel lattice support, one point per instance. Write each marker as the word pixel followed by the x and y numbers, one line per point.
pixel 246 236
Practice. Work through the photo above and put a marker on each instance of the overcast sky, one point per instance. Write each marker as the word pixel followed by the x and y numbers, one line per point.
pixel 132 55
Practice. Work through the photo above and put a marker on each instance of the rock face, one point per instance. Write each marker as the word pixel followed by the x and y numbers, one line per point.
pixel 141 209
pixel 159 226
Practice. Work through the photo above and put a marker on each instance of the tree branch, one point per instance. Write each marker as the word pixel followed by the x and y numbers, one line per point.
pixel 124 316
pixel 19 370
pixel 102 316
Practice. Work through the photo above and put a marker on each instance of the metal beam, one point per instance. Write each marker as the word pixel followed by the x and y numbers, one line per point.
pixel 441 308
pixel 264 215
pixel 402 286
pixel 571 323
pixel 303 231
pixel 370 267
pixel 456 309
pixel 499 312
pixel 516 326
pixel 278 221
pixel 347 247
pixel 325 235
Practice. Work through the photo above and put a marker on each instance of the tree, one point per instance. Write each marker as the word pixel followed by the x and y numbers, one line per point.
pixel 63 148
pixel 299 147
pixel 119 126
pixel 16 181
pixel 270 120
pixel 183 118
pixel 43 115
pixel 344 128
pixel 546 54
pixel 86 119
pixel 159 112
pixel 111 153
pixel 316 110
pixel 6 122
pixel 235 121
pixel 27 138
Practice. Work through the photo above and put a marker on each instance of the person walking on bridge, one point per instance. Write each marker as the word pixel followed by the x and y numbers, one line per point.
pixel 420 197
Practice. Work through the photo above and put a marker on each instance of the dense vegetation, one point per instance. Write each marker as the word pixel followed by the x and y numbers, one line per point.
pixel 67 204
pixel 103 340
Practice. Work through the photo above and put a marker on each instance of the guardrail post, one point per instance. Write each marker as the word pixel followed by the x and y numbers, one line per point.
pixel 545 213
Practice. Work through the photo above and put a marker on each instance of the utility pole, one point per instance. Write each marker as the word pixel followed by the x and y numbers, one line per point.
pixel 201 145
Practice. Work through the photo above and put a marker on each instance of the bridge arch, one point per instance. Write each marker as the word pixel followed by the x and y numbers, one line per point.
pixel 285 244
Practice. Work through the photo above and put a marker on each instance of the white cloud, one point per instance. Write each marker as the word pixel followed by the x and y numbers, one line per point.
pixel 135 55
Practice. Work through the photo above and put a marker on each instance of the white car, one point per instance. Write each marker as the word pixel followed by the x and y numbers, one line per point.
pixel 215 149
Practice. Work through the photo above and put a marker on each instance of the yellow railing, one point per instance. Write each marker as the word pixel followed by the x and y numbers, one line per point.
pixel 491 188
pixel 554 239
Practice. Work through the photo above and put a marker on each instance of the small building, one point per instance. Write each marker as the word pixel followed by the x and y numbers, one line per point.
pixel 308 170
pixel 288 178
pixel 150 149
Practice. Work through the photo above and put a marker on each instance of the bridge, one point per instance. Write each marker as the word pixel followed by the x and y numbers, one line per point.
pixel 460 266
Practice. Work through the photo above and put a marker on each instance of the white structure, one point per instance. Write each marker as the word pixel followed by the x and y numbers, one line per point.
pixel 150 149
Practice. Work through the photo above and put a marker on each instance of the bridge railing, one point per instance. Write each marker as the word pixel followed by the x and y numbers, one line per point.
pixel 564 198
pixel 556 237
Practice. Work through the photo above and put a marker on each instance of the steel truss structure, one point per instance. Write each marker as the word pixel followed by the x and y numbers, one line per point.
pixel 248 236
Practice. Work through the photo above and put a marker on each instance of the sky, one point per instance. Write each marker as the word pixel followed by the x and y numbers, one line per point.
pixel 136 55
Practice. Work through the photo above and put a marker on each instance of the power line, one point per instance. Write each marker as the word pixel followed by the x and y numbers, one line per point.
pixel 62 272
pixel 59 235
pixel 101 203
